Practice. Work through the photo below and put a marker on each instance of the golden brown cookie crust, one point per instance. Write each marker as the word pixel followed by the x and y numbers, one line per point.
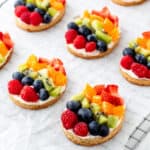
pixel 33 106
pixel 142 82
pixel 32 28
pixel 8 58
pixel 122 2
pixel 92 141
pixel 96 56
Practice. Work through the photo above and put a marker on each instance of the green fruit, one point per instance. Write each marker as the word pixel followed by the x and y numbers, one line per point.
pixel 112 121
pixel 148 58
pixel 31 1
pixel 85 103
pixel 23 67
pixel 52 11
pixel 42 4
pixel 33 75
pixel 2 59
pixel 96 25
pixel 44 73
pixel 144 52
pixel 137 49
pixel 102 119
pixel 132 44
pixel 78 21
pixel 47 85
pixel 55 92
pixel 103 36
pixel 95 108
pixel 86 22
pixel 78 97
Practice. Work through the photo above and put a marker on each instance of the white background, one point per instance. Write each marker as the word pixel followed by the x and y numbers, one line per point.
pixel 40 130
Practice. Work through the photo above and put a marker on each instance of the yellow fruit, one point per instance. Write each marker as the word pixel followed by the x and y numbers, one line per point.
pixel 148 44
pixel 3 49
pixel 57 5
pixel 86 14
pixel 32 62
pixel 95 17
pixel 142 42
pixel 119 111
pixel 97 99
pixel 107 108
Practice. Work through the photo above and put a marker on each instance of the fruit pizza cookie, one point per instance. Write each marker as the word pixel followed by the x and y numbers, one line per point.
pixel 6 48
pixel 135 63
pixel 128 2
pixel 38 83
pixel 37 15
pixel 94 116
pixel 93 35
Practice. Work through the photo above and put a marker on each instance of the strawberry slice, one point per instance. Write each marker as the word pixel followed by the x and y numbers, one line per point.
pixel 7 40
pixel 146 34
pixel 62 1
pixel 113 89
pixel 114 19
pixel 103 13
pixel 43 60
pixel 56 61
pixel 99 89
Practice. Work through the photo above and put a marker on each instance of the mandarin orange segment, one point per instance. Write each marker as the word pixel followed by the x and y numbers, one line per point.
pixel 3 49
pixel 57 5
pixel 108 25
pixel 115 34
pixel 141 42
pixel 107 108
pixel 89 92
pixel 97 99
pixel 119 111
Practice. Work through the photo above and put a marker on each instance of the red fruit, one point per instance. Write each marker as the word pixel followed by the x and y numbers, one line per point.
pixel 7 40
pixel 14 87
pixel 148 74
pixel 81 129
pixel 118 101
pixel 113 89
pixel 29 94
pixel 43 60
pixel 69 119
pixel 126 62
pixel 99 89
pixel 62 1
pixel 56 61
pixel 19 10
pixel 79 42
pixel 25 17
pixel 139 69
pixel 35 18
pixel 103 13
pixel 1 35
pixel 114 19
pixel 70 35
pixel 146 34
pixel 90 46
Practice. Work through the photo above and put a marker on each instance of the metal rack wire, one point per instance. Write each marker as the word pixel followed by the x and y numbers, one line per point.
pixel 138 134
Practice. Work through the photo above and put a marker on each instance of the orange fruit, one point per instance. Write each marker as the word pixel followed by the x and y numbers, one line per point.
pixel 115 34
pixel 99 89
pixel 89 92
pixel 57 5
pixel 118 111
pixel 97 99
pixel 3 49
pixel 148 44
pixel 107 108
pixel 108 25
pixel 142 42
pixel 95 17
pixel 7 40
pixel 86 14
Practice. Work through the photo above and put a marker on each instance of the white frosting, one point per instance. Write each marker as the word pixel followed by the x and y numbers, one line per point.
pixel 39 102
pixel 83 51
pixel 131 73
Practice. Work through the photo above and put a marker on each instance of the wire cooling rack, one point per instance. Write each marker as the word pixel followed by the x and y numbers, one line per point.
pixel 138 134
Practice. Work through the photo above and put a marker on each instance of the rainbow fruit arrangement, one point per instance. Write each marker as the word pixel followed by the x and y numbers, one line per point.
pixel 94 111
pixel 136 57
pixel 6 46
pixel 93 31
pixel 38 79
pixel 35 12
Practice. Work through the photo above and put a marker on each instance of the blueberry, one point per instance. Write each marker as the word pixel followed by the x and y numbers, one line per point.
pixel 72 25
pixel 141 59
pixel 47 18
pixel 83 30
pixel 85 115
pixel 40 11
pixel 73 105
pixel 129 51
pixel 92 37
pixel 19 2
pixel 31 7
pixel 101 46
pixel 148 65
pixel 94 128
pixel 27 80
pixel 43 94
pixel 18 75
pixel 104 130
pixel 38 84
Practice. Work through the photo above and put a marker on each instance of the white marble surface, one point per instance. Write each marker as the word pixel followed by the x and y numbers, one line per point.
pixel 40 130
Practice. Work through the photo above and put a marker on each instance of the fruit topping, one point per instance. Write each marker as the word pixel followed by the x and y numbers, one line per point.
pixel 27 80
pixel 101 46
pixel 18 75
pixel 73 105
pixel 104 130
pixel 129 51
pixel 38 84
pixel 94 128
pixel 19 3
pixel 69 119
pixel 43 94
pixel 35 18
pixel 90 46
pixel 19 10
pixel 25 17
pixel 72 25
pixel 79 42
pixel 70 35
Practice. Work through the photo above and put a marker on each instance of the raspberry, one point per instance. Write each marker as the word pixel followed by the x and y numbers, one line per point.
pixel 81 129
pixel 29 94
pixel 14 87
pixel 25 17
pixel 20 9
pixel 70 35
pixel 126 62
pixel 90 46
pixel 148 74
pixel 139 69
pixel 69 119
pixel 35 18
pixel 79 42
